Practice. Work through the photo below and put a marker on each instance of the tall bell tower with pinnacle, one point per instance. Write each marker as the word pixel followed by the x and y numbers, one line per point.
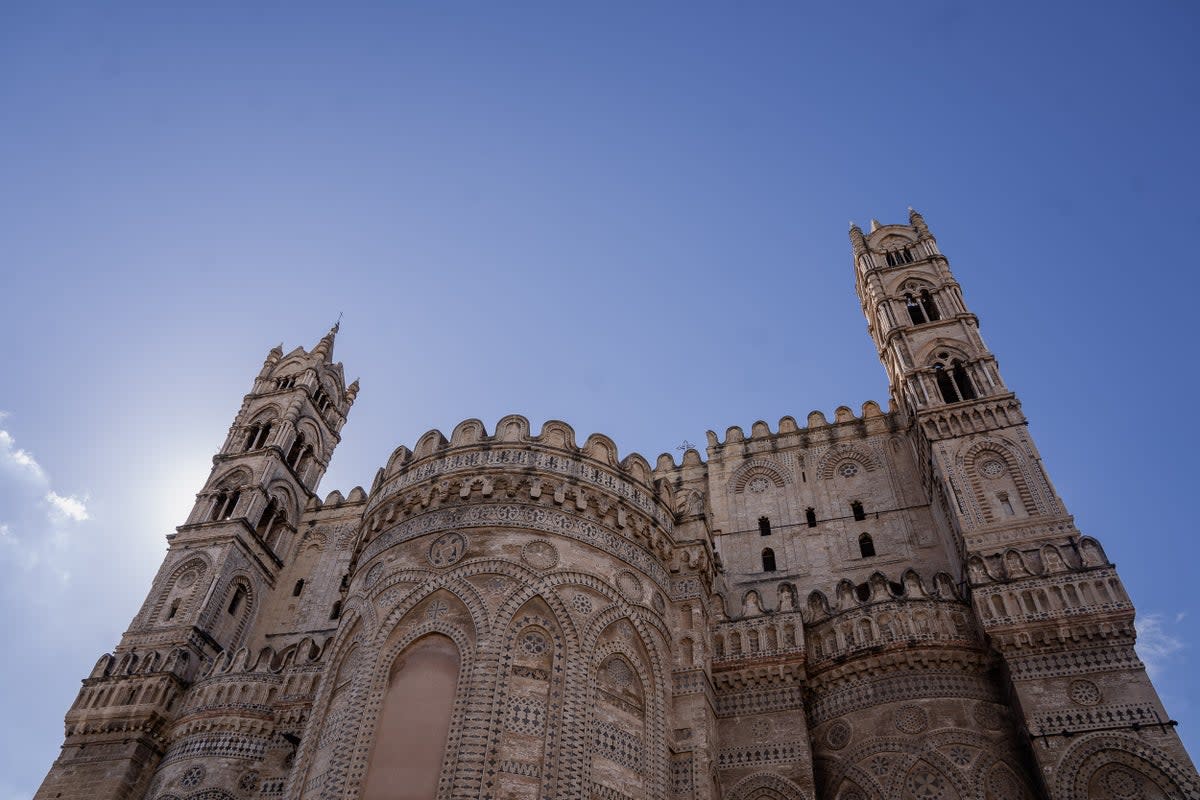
pixel 1046 596
pixel 221 567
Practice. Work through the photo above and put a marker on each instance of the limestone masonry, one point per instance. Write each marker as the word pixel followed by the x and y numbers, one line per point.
pixel 888 604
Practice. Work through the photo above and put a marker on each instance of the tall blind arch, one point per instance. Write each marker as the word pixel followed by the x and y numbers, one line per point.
pixel 410 737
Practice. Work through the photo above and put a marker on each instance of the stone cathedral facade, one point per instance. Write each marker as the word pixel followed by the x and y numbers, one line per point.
pixel 887 604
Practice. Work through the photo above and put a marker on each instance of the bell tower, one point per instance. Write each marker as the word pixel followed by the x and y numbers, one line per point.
pixel 1051 603
pixel 220 566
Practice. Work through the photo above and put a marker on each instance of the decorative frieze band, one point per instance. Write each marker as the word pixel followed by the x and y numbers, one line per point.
pixel 523 459
pixel 521 516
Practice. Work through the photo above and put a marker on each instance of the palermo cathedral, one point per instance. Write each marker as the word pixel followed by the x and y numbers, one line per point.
pixel 887 604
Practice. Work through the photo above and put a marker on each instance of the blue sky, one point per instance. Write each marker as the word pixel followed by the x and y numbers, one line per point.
pixel 628 216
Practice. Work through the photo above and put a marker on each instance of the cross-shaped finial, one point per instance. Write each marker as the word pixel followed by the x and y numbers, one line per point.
pixel 685 446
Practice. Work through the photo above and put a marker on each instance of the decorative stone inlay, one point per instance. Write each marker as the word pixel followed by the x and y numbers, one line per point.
pixel 193 776
pixel 249 782
pixel 838 735
pixel 447 549
pixel 758 485
pixel 533 643
pixel 1084 693
pixel 925 784
pixel 540 554
pixel 374 574
pixel 1001 785
pixel 660 605
pixel 911 719
pixel 988 716
pixel 961 756
pixel 581 603
pixel 521 516
pixel 523 458
pixel 630 585
pixel 760 728
pixel 993 468
pixel 1122 783
pixel 187 578
pixel 620 673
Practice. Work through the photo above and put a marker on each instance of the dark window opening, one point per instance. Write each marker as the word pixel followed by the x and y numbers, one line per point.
pixel 764 526
pixel 857 509
pixel 915 312
pixel 174 609
pixel 963 381
pixel 945 384
pixel 897 257
pixel 225 504
pixel 897 588
pixel 866 545
pixel 268 517
pixel 810 516
pixel 768 559
pixel 863 590
pixel 298 588
pixel 336 613
pixel 236 602
pixel 297 451
pixel 954 383
pixel 930 307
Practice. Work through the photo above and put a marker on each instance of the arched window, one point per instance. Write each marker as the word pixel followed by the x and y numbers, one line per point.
pixel 866 545
pixel 764 526
pixel 963 381
pixel 929 306
pixel 810 516
pixel 768 559
pixel 224 504
pixel 414 722
pixel 915 312
pixel 174 609
pixel 297 451
pixel 235 602
pixel 954 383
pixel 856 508
pixel 267 519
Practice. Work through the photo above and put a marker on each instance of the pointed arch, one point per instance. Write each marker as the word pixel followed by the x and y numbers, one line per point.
pixel 412 730
pixel 766 786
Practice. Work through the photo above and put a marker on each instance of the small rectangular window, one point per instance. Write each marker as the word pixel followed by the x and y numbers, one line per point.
pixel 764 526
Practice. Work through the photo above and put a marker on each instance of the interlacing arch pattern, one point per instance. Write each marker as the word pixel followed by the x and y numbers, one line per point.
pixel 1018 467
pixel 395 595
pixel 530 624
pixel 766 786
pixel 835 456
pixel 964 759
pixel 772 470
pixel 1085 758
pixel 198 562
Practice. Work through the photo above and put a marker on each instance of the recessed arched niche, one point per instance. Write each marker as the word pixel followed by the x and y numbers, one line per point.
pixel 414 723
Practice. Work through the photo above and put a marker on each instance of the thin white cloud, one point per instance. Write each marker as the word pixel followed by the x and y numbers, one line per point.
pixel 36 531
pixel 69 507
pixel 20 460
pixel 1156 644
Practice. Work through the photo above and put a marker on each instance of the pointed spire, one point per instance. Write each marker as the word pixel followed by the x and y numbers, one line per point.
pixel 273 357
pixel 918 222
pixel 875 225
pixel 352 391
pixel 857 240
pixel 325 347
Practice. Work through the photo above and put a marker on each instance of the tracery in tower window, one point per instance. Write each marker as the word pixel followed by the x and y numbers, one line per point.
pixel 953 382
